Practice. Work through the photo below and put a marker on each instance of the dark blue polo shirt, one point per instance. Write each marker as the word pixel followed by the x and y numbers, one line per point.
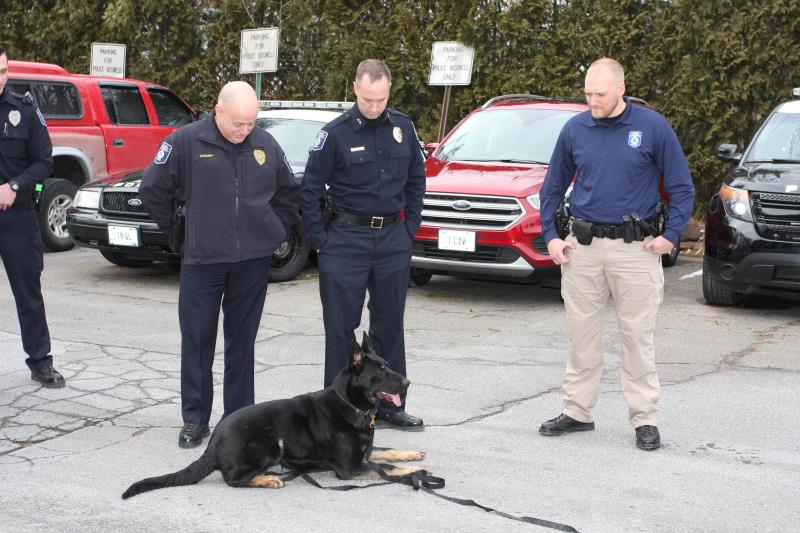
pixel 617 170
pixel 371 168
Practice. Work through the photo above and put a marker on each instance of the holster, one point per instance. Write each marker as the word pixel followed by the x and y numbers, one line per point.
pixel 177 228
pixel 562 220
pixel 582 229
pixel 327 208
pixel 628 229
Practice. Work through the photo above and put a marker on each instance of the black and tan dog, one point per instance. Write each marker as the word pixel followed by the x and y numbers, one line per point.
pixel 331 429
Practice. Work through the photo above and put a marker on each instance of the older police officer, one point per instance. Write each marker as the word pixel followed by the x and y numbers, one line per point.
pixel 617 153
pixel 369 159
pixel 240 201
pixel 26 157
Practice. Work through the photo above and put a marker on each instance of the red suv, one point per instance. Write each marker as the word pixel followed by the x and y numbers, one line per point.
pixel 481 212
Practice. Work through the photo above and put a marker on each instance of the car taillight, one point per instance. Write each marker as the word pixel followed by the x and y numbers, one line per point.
pixel 736 202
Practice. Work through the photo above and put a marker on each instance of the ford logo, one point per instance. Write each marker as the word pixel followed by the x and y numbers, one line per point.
pixel 134 202
pixel 462 205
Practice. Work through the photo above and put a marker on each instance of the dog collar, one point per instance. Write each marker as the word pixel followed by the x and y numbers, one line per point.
pixel 361 412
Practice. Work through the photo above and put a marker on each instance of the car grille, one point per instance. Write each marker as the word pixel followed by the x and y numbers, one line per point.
pixel 119 202
pixel 482 253
pixel 777 215
pixel 474 212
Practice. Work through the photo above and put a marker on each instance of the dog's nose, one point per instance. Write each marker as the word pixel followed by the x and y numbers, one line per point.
pixel 406 382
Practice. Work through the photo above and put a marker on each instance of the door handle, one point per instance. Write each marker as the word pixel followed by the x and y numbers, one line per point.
pixel 118 142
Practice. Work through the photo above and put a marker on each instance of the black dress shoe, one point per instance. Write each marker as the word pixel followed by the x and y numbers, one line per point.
pixel 647 438
pixel 192 435
pixel 564 424
pixel 399 420
pixel 48 377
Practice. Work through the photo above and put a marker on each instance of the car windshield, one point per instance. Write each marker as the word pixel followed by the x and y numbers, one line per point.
pixel 513 135
pixel 294 136
pixel 778 140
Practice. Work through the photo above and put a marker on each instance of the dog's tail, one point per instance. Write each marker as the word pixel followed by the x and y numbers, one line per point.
pixel 190 475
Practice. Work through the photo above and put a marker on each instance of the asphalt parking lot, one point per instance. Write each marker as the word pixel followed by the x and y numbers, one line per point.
pixel 486 363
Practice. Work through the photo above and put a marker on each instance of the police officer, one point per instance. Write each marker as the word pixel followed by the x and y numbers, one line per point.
pixel 239 197
pixel 617 154
pixel 370 161
pixel 26 157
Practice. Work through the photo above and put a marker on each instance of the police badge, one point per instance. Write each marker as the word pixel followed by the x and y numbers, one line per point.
pixel 260 156
pixel 398 134
pixel 634 139
pixel 163 153
pixel 14 117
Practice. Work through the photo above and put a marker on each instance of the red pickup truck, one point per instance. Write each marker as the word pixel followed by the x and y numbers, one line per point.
pixel 100 127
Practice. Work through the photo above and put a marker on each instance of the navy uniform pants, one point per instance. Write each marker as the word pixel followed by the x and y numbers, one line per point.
pixel 21 252
pixel 354 260
pixel 240 289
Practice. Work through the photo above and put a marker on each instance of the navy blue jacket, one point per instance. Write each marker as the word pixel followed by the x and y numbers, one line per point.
pixel 371 168
pixel 26 153
pixel 240 200
pixel 617 170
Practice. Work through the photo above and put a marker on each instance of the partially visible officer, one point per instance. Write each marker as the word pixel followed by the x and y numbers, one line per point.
pixel 370 160
pixel 239 197
pixel 26 157
pixel 617 154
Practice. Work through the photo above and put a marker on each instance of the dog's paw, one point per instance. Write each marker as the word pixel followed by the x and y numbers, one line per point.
pixel 393 456
pixel 267 482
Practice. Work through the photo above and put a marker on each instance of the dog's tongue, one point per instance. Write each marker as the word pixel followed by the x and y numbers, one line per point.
pixel 394 398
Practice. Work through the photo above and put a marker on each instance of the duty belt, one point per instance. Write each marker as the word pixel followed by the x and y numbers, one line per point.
pixel 374 222
pixel 611 231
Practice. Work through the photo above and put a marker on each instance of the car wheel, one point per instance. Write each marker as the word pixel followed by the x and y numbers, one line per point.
pixel 714 293
pixel 671 258
pixel 420 277
pixel 291 256
pixel 124 261
pixel 56 199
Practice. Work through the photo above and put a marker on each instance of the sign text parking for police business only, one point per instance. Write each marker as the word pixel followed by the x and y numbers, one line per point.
pixel 451 63
pixel 259 51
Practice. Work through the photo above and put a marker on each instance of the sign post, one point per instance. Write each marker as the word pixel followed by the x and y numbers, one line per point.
pixel 259 53
pixel 108 60
pixel 451 64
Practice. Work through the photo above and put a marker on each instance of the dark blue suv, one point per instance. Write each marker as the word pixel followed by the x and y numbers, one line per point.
pixel 753 220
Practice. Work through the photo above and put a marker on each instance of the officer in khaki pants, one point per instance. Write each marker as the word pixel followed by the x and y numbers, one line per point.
pixel 617 153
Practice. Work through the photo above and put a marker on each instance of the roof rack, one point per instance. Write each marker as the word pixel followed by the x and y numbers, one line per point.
pixel 303 104
pixel 637 100
pixel 796 92
pixel 524 97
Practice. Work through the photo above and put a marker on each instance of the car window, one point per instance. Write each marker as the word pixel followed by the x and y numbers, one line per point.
pixel 55 99
pixel 169 109
pixel 506 134
pixel 294 136
pixel 778 139
pixel 124 105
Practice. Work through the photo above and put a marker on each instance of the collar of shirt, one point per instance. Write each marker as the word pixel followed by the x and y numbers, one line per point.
pixel 625 118
pixel 8 98
pixel 210 133
pixel 359 120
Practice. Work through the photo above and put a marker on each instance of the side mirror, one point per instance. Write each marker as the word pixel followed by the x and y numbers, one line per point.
pixel 429 148
pixel 727 153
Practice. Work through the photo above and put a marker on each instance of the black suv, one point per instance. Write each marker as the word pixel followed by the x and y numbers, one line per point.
pixel 753 220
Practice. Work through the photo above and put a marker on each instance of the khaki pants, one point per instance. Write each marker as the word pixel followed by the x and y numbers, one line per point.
pixel 636 281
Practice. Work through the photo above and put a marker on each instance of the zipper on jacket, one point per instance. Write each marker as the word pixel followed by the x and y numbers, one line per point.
pixel 236 201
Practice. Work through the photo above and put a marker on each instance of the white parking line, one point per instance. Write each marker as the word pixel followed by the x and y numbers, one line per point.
pixel 693 274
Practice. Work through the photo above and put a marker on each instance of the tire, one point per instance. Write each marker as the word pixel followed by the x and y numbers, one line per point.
pixel 714 292
pixel 420 277
pixel 56 199
pixel 291 256
pixel 668 260
pixel 124 261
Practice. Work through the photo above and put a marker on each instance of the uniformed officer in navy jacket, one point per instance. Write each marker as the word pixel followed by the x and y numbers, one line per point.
pixel 370 161
pixel 238 195
pixel 617 153
pixel 26 157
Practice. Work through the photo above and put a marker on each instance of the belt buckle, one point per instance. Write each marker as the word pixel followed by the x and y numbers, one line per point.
pixel 376 223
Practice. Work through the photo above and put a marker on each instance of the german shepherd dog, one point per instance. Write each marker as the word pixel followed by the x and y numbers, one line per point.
pixel 331 429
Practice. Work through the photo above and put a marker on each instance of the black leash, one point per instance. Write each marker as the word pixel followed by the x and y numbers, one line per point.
pixel 422 479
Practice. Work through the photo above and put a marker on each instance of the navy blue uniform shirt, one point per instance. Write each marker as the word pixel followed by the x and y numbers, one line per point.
pixel 617 171
pixel 241 199
pixel 372 168
pixel 26 153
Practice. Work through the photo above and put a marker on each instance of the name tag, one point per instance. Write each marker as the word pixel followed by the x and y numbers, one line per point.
pixel 357 149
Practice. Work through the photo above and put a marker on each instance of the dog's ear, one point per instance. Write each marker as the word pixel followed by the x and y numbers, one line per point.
pixel 358 354
pixel 366 343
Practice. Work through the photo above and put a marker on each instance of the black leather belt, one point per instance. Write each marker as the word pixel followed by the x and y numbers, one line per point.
pixel 611 231
pixel 371 222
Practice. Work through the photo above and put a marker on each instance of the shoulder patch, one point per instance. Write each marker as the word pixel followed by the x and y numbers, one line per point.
pixel 163 153
pixel 41 117
pixel 320 141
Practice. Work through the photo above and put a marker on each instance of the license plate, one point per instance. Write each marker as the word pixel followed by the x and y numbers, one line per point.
pixel 463 241
pixel 123 236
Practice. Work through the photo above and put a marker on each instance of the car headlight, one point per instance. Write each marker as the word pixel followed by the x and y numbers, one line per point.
pixel 533 199
pixel 736 202
pixel 87 199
